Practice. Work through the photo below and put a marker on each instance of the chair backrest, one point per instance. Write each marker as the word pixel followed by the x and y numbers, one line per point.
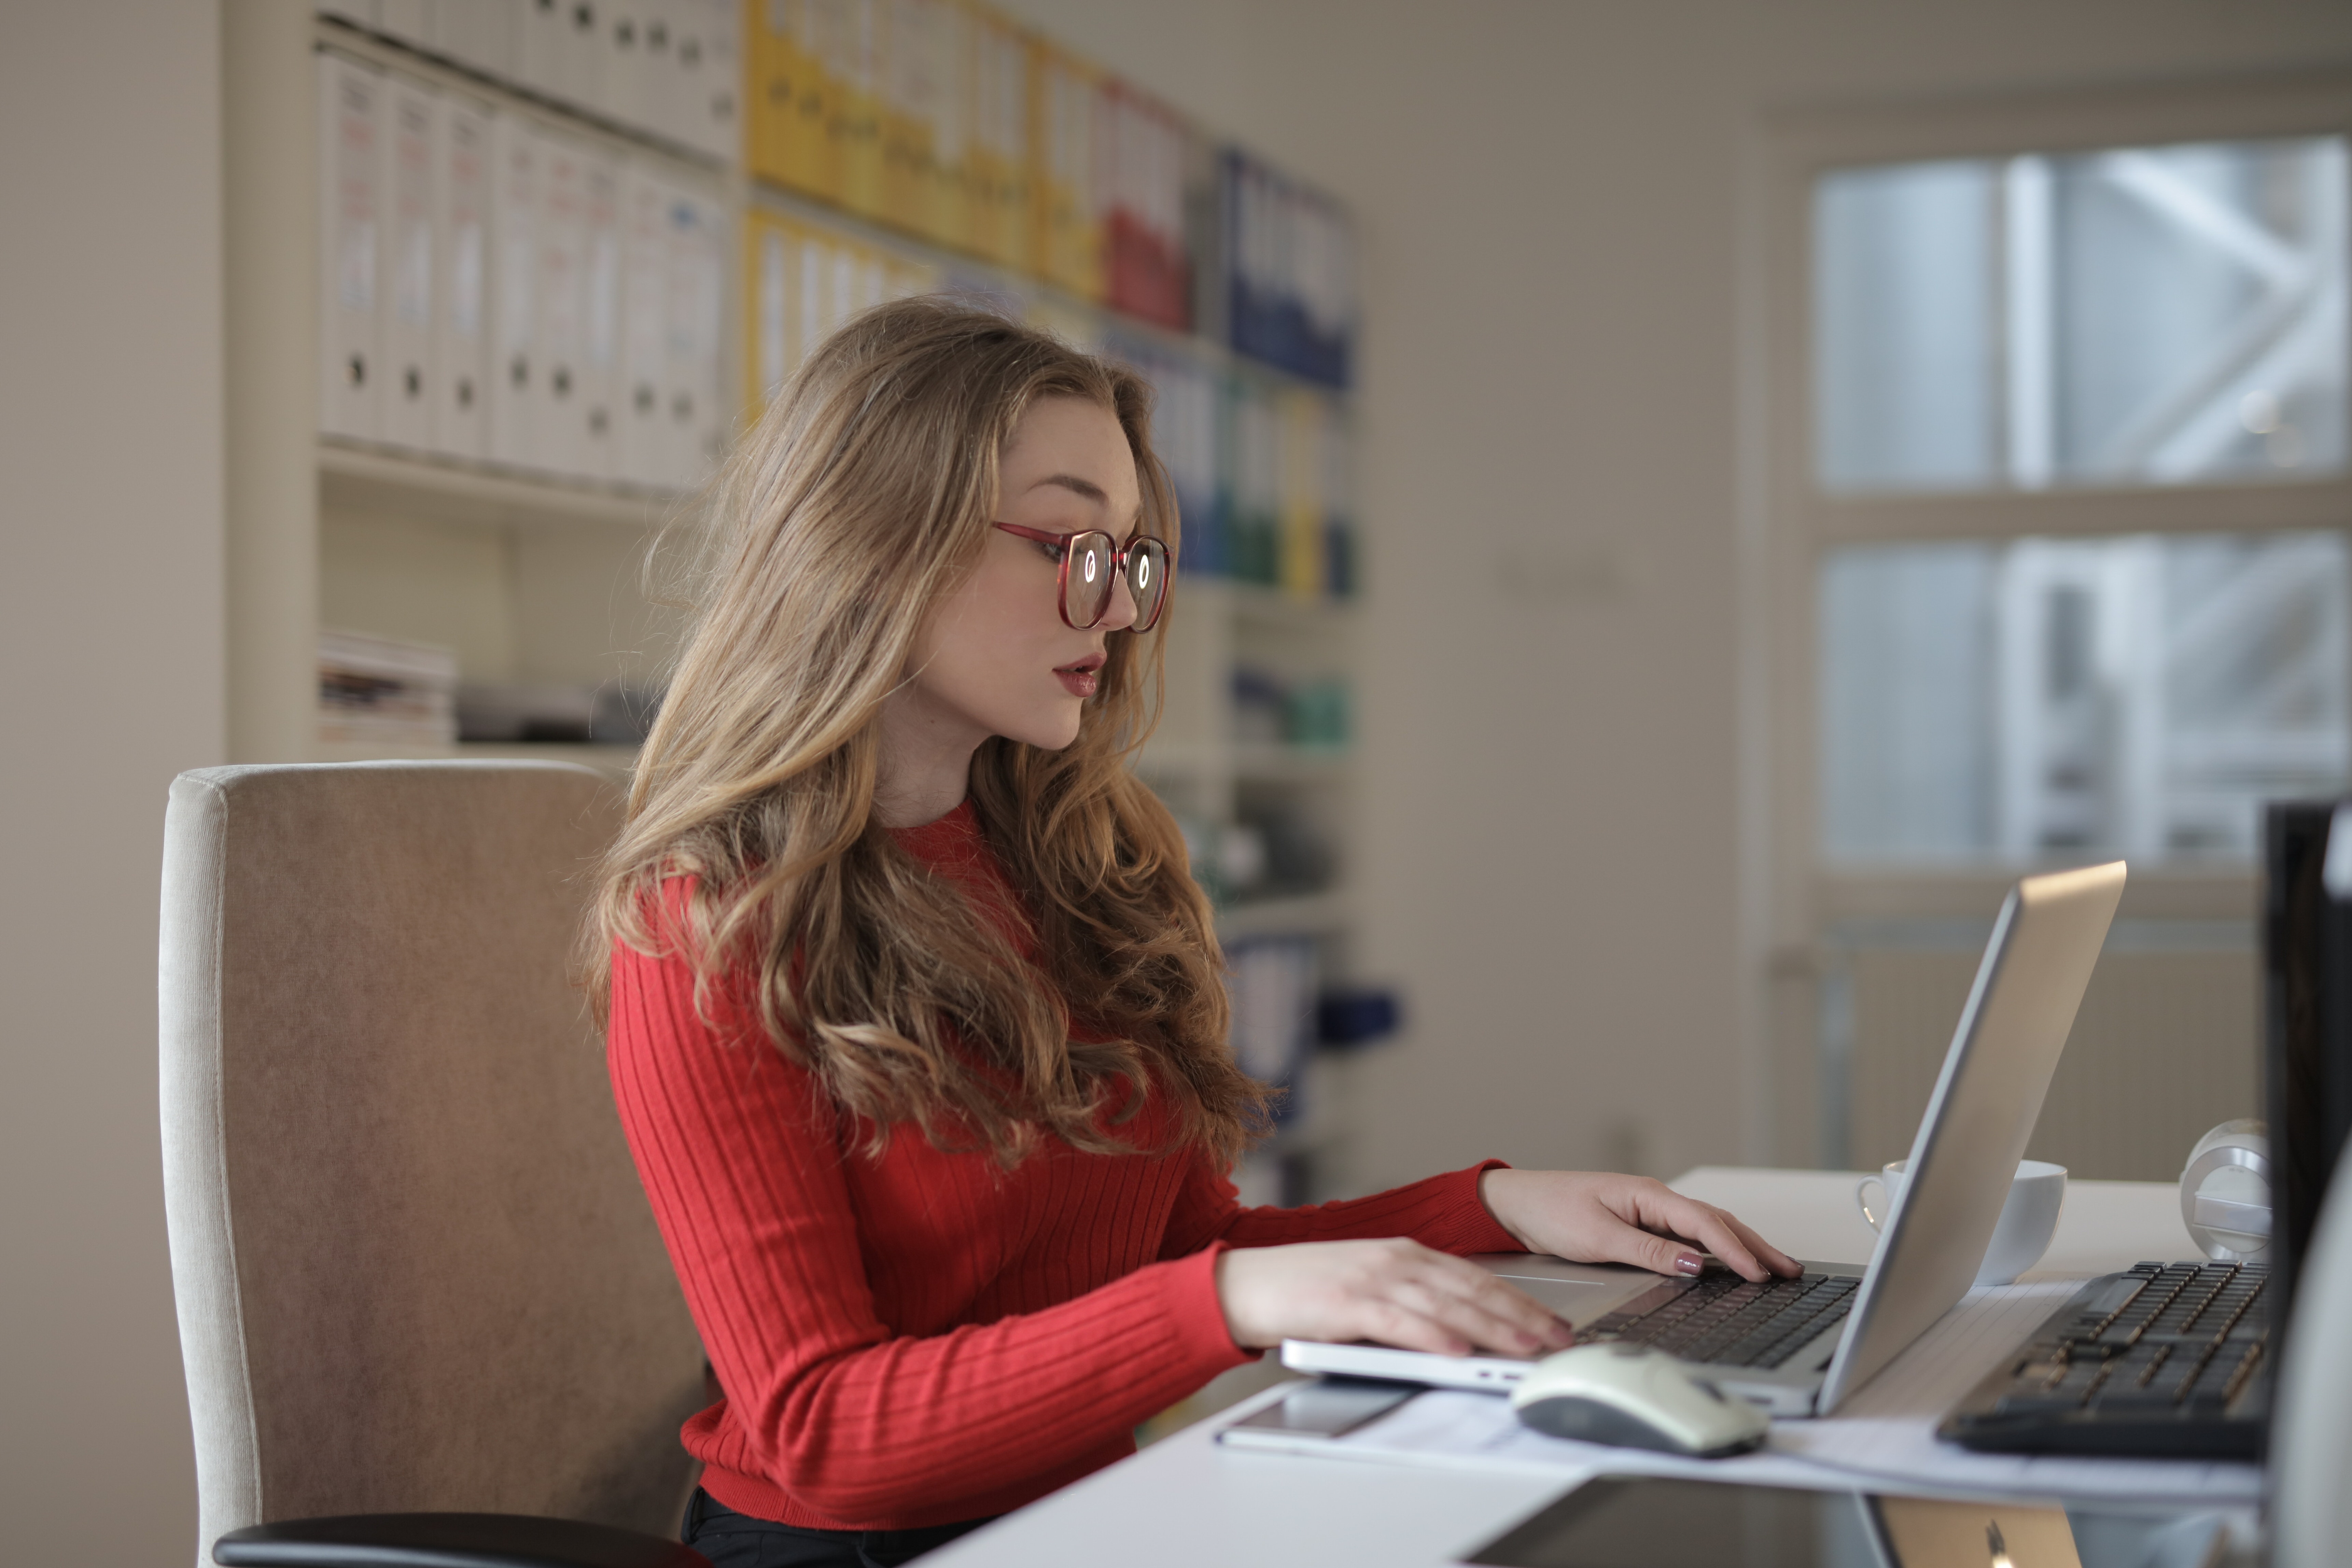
pixel 413 1267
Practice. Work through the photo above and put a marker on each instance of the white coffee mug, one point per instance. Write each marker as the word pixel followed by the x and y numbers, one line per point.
pixel 2029 1217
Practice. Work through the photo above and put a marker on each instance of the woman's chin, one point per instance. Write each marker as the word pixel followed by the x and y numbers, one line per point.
pixel 1047 735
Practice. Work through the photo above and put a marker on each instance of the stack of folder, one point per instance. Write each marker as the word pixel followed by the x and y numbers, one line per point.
pixel 802 281
pixel 663 69
pixel 500 289
pixel 1285 272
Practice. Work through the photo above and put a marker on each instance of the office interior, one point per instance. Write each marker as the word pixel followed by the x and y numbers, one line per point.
pixel 1615 611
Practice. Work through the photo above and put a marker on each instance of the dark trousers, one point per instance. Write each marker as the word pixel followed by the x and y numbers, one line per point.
pixel 733 1539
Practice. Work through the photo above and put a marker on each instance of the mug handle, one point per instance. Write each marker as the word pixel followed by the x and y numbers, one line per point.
pixel 1862 1202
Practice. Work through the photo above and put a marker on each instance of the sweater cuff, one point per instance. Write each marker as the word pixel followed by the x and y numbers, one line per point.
pixel 1481 1231
pixel 1197 1317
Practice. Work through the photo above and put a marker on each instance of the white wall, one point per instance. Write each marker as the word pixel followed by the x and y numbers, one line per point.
pixel 1551 196
pixel 110 660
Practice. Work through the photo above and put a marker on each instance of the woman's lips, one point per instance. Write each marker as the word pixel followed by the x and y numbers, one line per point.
pixel 1082 678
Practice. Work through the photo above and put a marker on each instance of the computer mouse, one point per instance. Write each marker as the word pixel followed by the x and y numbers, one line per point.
pixel 1634 1397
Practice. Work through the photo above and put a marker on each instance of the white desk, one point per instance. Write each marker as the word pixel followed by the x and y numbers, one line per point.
pixel 1188 1502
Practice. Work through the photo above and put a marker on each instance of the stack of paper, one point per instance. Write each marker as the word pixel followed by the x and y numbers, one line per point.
pixel 381 691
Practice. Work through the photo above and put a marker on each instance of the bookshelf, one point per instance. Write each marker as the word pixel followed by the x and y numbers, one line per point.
pixel 534 578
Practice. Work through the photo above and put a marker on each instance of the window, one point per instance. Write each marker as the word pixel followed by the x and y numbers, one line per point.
pixel 2036 698
pixel 2049 561
pixel 2133 316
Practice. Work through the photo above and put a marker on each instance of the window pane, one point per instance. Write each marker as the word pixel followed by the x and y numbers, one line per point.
pixel 2043 697
pixel 2168 315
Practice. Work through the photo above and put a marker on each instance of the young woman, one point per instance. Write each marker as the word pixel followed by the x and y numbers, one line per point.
pixel 915 1021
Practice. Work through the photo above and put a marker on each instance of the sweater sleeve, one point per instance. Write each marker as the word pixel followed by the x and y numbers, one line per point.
pixel 738 1153
pixel 1445 1212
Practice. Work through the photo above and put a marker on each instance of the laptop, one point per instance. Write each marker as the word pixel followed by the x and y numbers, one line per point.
pixel 1799 1347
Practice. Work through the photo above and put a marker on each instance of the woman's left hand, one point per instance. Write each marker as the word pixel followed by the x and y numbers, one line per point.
pixel 1592 1217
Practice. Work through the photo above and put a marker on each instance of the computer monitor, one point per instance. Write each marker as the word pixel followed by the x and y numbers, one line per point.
pixel 2307 1019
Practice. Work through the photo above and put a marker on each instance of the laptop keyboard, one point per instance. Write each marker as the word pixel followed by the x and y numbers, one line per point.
pixel 1721 1319
pixel 2166 1358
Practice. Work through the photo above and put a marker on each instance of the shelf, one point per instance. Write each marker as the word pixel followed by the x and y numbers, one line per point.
pixel 1256 605
pixel 1290 764
pixel 353 478
pixel 1308 914
pixel 1260 762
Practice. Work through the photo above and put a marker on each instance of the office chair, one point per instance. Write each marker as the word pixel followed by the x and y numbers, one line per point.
pixel 425 1316
pixel 2311 1435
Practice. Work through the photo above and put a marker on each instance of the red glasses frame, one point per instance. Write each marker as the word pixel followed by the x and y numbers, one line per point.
pixel 1119 554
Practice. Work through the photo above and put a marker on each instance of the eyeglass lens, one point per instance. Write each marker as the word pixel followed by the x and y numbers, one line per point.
pixel 1093 560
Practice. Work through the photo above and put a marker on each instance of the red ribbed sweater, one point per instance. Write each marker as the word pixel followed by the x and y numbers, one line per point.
pixel 925 1337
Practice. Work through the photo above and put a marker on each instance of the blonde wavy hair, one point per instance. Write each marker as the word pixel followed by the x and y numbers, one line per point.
pixel 863 498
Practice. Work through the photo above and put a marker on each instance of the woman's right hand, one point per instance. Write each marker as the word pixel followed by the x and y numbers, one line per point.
pixel 1395 1292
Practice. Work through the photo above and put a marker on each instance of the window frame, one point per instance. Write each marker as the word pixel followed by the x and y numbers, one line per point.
pixel 1788 521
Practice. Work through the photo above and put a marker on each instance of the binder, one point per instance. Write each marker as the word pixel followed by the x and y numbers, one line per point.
pixel 644 447
pixel 1301 570
pixel 720 119
pixel 560 292
pixel 540 45
pixel 843 34
pixel 771 297
pixel 350 135
pixel 600 359
pixel 404 304
pixel 772 146
pixel 410 21
pixel 516 375
pixel 480 34
pixel 1142 177
pixel 623 80
pixel 1066 96
pixel 997 159
pixel 918 71
pixel 461 213
pixel 953 40
pixel 692 265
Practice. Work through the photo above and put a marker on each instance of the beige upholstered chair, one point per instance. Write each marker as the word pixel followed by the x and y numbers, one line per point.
pixel 415 1273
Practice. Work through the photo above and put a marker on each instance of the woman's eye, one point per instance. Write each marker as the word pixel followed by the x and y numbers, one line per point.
pixel 1053 552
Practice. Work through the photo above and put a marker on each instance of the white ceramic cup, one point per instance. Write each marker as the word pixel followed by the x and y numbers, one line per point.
pixel 2029 1217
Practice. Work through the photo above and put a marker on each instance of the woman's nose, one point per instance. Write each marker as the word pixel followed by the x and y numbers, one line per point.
pixel 1120 614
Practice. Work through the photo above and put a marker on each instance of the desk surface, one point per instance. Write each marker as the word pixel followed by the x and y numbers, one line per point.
pixel 1187 1501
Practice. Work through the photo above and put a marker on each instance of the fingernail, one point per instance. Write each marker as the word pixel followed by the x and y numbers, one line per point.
pixel 1689 1263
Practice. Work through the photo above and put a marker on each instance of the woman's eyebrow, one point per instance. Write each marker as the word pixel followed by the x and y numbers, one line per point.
pixel 1076 486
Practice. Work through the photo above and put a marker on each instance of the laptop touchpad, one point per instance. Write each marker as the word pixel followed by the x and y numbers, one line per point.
pixel 1578 1301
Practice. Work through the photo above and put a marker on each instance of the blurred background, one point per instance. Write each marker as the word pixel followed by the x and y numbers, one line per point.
pixel 1682 504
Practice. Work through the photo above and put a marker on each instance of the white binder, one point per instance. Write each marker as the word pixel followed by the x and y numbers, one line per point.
pixel 461 249
pixel 621 75
pixel 515 372
pixel 480 34
pixel 600 358
pixel 412 21
pixel 645 452
pixel 776 301
pixel 404 302
pixel 561 331
pixel 539 39
pixel 350 135
pixel 717 108
pixel 698 427
pixel 676 81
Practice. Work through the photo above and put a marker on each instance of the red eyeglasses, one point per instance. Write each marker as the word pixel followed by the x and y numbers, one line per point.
pixel 1091 562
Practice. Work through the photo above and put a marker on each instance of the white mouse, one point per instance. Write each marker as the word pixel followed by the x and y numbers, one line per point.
pixel 1634 1397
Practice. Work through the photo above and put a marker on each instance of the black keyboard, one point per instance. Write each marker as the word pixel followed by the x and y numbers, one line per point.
pixel 1721 1319
pixel 2166 1359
